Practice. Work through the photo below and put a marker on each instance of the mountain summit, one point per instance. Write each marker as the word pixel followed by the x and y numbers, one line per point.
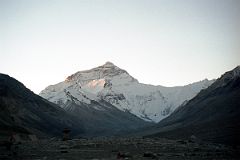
pixel 96 79
pixel 116 86
pixel 109 64
pixel 103 74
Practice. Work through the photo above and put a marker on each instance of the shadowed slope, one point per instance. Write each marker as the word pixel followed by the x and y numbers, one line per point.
pixel 213 115
pixel 23 111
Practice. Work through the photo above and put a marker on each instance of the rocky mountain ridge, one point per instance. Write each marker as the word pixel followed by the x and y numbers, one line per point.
pixel 23 111
pixel 213 115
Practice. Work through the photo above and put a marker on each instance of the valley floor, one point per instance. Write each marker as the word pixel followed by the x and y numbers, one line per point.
pixel 120 148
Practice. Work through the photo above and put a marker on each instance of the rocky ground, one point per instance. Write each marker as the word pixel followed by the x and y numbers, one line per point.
pixel 117 148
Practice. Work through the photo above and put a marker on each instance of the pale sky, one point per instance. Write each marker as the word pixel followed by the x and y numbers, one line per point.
pixel 160 42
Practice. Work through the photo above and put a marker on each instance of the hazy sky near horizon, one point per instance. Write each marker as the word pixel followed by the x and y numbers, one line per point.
pixel 160 42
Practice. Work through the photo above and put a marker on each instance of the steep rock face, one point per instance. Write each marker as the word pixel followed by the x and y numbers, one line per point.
pixel 23 111
pixel 213 115
pixel 114 85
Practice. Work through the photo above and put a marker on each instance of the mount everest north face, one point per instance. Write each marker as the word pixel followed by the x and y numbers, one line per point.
pixel 111 84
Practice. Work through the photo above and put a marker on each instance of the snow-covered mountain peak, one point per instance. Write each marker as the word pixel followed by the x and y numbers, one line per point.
pixel 111 84
pixel 108 72
pixel 109 64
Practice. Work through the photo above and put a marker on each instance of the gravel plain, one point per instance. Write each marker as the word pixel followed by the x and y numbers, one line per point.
pixel 117 148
